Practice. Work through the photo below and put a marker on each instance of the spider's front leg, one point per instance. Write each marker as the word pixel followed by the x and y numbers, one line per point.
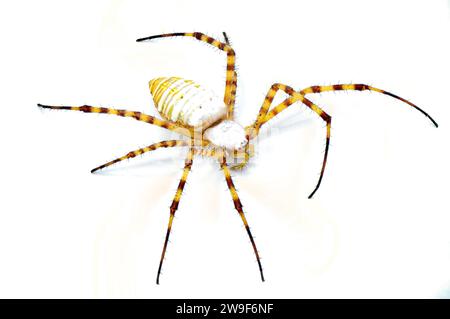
pixel 361 87
pixel 265 115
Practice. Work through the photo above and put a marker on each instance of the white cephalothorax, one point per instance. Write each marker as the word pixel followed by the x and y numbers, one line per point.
pixel 228 134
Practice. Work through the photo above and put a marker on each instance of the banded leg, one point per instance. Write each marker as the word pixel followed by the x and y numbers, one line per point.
pixel 238 206
pixel 266 106
pixel 232 100
pixel 295 97
pixel 233 86
pixel 361 87
pixel 132 154
pixel 230 84
pixel 124 113
pixel 174 206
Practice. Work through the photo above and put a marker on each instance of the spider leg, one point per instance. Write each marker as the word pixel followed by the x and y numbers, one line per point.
pixel 232 99
pixel 125 113
pixel 174 206
pixel 323 115
pixel 234 85
pixel 171 143
pixel 238 207
pixel 230 83
pixel 225 36
pixel 361 87
pixel 253 130
pixel 265 115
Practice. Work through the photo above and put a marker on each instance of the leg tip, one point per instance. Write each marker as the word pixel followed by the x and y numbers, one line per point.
pixel 314 191
pixel 435 123
pixel 148 38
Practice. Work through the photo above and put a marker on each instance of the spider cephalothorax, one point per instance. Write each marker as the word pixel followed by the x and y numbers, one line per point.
pixel 208 122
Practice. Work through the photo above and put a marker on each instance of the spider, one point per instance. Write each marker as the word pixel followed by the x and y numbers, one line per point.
pixel 208 122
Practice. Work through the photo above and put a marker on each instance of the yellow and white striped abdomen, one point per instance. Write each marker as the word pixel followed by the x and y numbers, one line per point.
pixel 186 102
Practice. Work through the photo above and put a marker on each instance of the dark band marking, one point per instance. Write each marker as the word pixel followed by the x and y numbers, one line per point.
pixel 315 89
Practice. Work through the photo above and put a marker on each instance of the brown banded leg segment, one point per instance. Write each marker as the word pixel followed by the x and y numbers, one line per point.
pixel 233 89
pixel 238 206
pixel 295 97
pixel 132 154
pixel 124 113
pixel 174 206
pixel 232 101
pixel 361 87
pixel 230 84
pixel 266 106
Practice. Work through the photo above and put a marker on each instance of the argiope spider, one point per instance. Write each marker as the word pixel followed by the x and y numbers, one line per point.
pixel 208 122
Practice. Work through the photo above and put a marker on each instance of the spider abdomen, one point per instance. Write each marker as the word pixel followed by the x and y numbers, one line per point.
pixel 186 102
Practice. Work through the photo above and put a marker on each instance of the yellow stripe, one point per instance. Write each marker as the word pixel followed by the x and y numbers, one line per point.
pixel 164 86
pixel 158 91
pixel 153 84
pixel 167 94
pixel 176 91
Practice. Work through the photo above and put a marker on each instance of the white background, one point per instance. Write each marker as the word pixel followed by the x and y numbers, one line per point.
pixel 377 227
